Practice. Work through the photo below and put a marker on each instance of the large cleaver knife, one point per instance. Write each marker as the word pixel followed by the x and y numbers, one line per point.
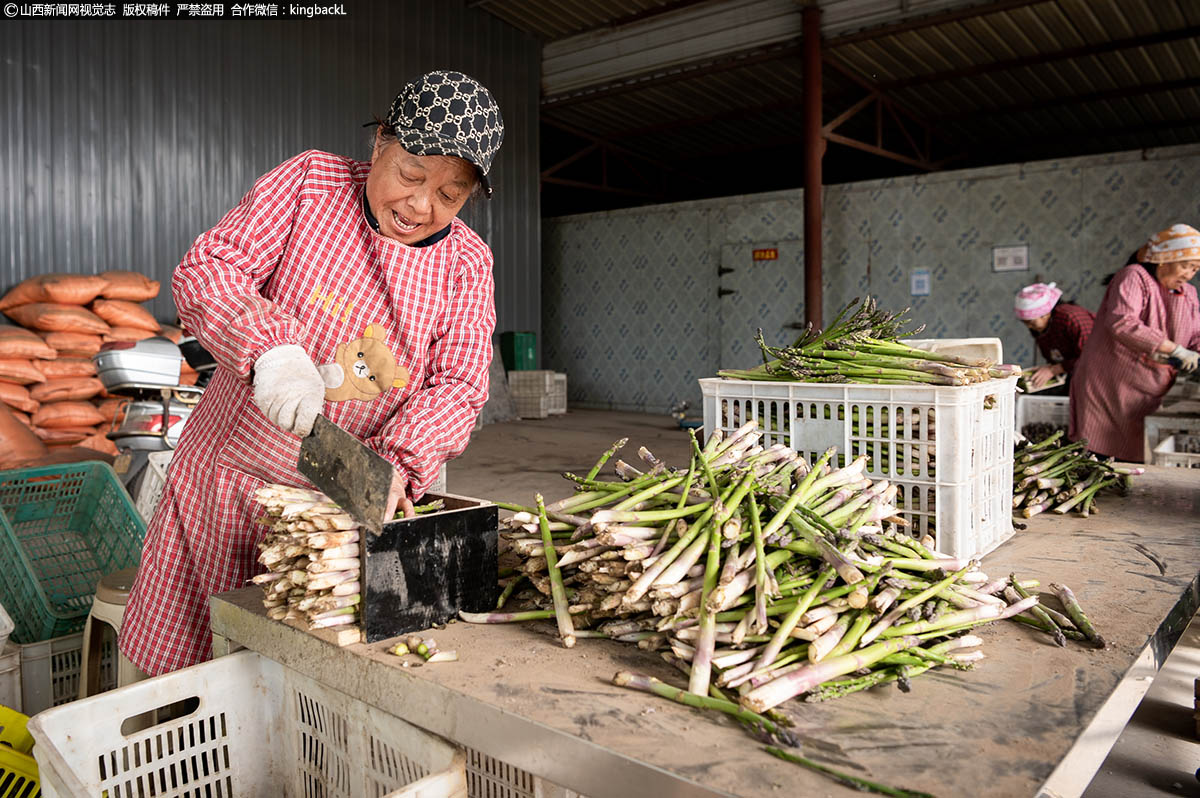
pixel 348 472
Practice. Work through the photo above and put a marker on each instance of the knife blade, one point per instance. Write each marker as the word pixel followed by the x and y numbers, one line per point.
pixel 350 473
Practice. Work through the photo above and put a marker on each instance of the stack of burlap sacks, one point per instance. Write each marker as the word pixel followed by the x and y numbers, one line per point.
pixel 48 382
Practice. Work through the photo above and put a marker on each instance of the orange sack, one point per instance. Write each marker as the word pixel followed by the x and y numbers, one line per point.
pixel 67 367
pixel 58 318
pixel 66 388
pixel 17 397
pixel 127 334
pixel 73 344
pixel 63 434
pixel 19 342
pixel 20 370
pixel 100 443
pixel 110 408
pixel 69 289
pixel 67 414
pixel 122 313
pixel 129 285
pixel 17 441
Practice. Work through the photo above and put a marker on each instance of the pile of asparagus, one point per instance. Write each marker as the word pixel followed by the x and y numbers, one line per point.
pixel 1052 474
pixel 752 571
pixel 311 557
pixel 863 346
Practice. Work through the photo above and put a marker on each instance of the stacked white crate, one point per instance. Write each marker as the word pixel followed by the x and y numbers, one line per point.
pixel 949 449
pixel 538 393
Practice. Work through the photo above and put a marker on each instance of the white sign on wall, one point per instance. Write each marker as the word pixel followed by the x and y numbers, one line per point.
pixel 921 282
pixel 1010 259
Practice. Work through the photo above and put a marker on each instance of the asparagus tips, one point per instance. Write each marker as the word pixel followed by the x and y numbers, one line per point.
pixel 806 678
pixel 566 630
pixel 850 781
pixel 604 459
pixel 1075 612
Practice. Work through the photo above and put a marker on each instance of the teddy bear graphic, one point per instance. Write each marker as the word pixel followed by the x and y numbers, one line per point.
pixel 362 369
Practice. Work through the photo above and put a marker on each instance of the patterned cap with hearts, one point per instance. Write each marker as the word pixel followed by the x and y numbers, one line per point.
pixel 448 113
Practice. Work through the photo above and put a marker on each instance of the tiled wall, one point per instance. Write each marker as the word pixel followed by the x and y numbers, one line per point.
pixel 630 301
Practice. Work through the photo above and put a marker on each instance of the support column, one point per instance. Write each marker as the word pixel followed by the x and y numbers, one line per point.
pixel 814 148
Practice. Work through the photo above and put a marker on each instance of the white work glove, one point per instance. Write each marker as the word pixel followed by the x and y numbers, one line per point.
pixel 288 389
pixel 1187 357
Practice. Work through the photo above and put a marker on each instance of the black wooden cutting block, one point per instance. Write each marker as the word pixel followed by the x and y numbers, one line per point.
pixel 421 571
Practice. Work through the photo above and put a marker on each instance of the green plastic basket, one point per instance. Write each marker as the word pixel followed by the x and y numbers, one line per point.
pixel 62 528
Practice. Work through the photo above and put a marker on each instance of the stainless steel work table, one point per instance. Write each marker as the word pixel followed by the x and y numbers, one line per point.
pixel 1031 719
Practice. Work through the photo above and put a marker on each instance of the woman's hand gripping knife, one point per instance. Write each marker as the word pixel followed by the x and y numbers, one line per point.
pixel 288 389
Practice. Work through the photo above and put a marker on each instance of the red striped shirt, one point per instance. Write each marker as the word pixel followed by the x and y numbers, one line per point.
pixel 296 263
pixel 1063 339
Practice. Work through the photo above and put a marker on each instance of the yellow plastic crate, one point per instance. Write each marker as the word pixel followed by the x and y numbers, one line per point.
pixel 18 775
pixel 13 732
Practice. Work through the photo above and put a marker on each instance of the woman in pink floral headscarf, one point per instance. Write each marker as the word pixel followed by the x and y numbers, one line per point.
pixel 1148 322
pixel 1060 329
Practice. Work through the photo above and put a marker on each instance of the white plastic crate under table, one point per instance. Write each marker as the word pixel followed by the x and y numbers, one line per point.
pixel 6 627
pixel 1034 409
pixel 1176 451
pixel 10 677
pixel 258 728
pixel 50 670
pixel 949 449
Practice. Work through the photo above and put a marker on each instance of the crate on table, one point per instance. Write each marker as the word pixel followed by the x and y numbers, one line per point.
pixel 259 728
pixel 1031 409
pixel 1183 419
pixel 62 528
pixel 949 450
pixel 1181 450
pixel 153 482
pixel 51 670
pixel 991 349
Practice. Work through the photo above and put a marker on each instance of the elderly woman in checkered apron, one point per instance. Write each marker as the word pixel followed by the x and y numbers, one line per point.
pixel 1147 330
pixel 341 287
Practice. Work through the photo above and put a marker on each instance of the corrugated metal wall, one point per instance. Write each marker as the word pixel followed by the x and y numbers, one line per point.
pixel 120 142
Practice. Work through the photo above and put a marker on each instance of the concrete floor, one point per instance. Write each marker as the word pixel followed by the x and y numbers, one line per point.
pixel 1156 755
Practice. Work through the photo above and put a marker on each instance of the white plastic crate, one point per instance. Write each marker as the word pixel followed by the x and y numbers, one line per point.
pixel 439 484
pixel 153 482
pixel 6 627
pixel 536 382
pixel 949 449
pixel 532 406
pixel 10 677
pixel 258 728
pixel 1180 450
pixel 974 348
pixel 531 392
pixel 50 671
pixel 558 395
pixel 1033 409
